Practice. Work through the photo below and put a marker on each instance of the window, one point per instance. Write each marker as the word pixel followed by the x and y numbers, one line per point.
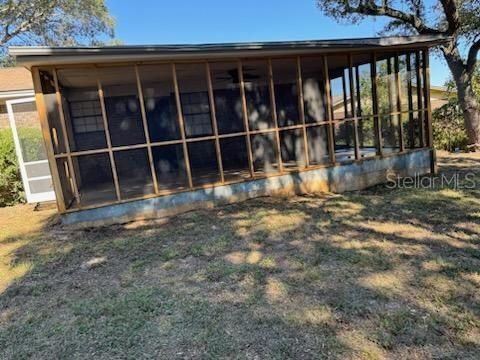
pixel 86 116
pixel 122 105
pixel 264 153
pixel 313 84
pixel 196 114
pixel 292 149
pixel 159 101
pixel 94 179
pixel 82 110
pixel 203 162
pixel 286 92
pixel 257 93
pixel 192 84
pixel 234 158
pixel 226 93
pixel 170 167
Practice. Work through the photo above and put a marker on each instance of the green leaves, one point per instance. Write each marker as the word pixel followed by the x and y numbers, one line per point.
pixel 11 188
pixel 54 22
pixel 448 127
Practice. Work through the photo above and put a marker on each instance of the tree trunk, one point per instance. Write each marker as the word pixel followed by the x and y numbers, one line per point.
pixel 466 97
pixel 471 111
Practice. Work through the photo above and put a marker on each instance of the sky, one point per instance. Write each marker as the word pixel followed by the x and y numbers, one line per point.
pixel 211 21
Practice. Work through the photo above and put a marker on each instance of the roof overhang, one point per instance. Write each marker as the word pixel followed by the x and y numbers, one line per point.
pixel 40 55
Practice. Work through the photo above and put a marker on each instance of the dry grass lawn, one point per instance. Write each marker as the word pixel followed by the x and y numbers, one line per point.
pixel 372 274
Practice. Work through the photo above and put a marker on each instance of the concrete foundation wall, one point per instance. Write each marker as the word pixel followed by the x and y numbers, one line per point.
pixel 348 177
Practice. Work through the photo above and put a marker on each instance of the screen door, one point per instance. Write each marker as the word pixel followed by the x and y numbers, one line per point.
pixel 30 148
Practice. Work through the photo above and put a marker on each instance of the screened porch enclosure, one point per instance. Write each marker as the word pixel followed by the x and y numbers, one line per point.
pixel 131 131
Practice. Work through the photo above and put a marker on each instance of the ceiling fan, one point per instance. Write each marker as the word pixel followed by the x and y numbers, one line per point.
pixel 233 75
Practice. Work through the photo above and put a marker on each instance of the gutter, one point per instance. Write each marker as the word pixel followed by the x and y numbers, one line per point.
pixel 41 55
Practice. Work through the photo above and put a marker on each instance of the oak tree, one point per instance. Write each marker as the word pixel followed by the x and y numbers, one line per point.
pixel 54 23
pixel 459 20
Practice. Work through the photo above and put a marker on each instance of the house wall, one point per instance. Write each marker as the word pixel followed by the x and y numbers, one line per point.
pixel 25 115
pixel 4 124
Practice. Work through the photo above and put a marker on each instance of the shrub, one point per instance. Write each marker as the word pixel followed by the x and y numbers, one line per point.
pixel 11 187
pixel 449 128
pixel 33 147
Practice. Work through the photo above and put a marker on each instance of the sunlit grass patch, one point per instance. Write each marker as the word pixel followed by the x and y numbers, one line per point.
pixel 320 315
pixel 370 274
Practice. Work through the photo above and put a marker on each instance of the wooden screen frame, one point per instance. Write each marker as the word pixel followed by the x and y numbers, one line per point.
pixel 329 122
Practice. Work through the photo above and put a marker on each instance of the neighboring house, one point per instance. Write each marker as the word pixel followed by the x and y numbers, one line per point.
pixel 16 83
pixel 18 112
pixel 439 96
pixel 141 131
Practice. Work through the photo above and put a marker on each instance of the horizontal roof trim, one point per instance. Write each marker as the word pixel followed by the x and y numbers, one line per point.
pixel 15 94
pixel 41 55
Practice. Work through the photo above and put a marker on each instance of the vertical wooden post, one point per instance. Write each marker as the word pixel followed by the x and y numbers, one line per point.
pixel 107 135
pixel 331 137
pixel 428 112
pixel 61 114
pixel 181 126
pixel 389 85
pixel 147 131
pixel 411 127
pixel 274 115
pixel 358 103
pixel 214 121
pixel 42 113
pixel 376 118
pixel 345 99
pixel 301 109
pixel 399 102
pixel 426 89
pixel 388 124
pixel 354 110
pixel 245 117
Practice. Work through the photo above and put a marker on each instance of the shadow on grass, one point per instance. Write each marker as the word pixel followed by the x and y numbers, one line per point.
pixel 376 273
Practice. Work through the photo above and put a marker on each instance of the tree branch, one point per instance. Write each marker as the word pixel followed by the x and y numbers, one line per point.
pixel 472 56
pixel 370 8
pixel 451 14
pixel 24 26
pixel 417 6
